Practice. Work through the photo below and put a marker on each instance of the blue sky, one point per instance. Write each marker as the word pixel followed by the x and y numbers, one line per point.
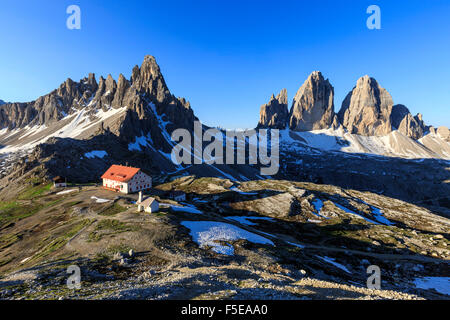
pixel 228 57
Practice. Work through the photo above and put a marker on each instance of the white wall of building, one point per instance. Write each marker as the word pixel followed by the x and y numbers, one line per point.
pixel 140 181
pixel 60 185
pixel 153 207
pixel 117 185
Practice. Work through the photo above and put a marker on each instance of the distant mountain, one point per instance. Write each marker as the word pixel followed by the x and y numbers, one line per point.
pixel 2 102
pixel 131 121
pixel 274 114
pixel 140 106
pixel 368 122
pixel 313 105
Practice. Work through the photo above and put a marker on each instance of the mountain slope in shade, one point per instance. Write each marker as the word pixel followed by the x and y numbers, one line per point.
pixel 2 102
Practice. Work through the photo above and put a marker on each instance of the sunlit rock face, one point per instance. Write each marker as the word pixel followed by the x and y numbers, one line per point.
pixel 366 110
pixel 313 105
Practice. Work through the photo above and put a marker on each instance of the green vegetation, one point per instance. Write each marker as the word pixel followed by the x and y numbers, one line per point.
pixel 48 246
pixel 13 211
pixel 72 184
pixel 34 191
pixel 5 261
pixel 112 210
pixel 8 239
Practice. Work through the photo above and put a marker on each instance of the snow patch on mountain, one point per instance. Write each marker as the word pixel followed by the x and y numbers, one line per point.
pixel 96 154
pixel 209 233
pixel 440 284
pixel 395 144
pixel 144 141
pixel 78 123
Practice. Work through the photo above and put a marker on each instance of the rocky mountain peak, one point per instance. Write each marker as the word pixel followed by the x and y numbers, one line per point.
pixel 274 114
pixel 366 110
pixel 313 105
pixel 148 79
pixel 91 80
pixel 444 133
pixel 404 122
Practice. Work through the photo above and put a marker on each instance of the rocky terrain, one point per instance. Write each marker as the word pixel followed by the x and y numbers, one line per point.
pixel 366 185
pixel 227 241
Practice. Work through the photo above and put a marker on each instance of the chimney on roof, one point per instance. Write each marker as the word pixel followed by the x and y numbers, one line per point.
pixel 140 197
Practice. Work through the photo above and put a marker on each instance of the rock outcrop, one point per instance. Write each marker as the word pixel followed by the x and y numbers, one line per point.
pixel 313 105
pixel 406 123
pixel 274 114
pixel 366 110
pixel 444 133
pixel 68 98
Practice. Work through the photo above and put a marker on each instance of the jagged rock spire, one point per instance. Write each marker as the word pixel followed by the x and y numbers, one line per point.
pixel 404 122
pixel 148 79
pixel 313 105
pixel 274 114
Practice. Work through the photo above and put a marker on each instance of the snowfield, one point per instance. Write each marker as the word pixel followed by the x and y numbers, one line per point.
pixel 354 213
pixel 96 154
pixel 67 191
pixel 394 144
pixel 440 284
pixel 100 200
pixel 207 233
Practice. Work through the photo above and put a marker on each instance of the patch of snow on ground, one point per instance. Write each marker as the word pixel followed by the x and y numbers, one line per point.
pixel 67 191
pixel 352 212
pixel 295 244
pixel 96 154
pixel 440 284
pixel 138 142
pixel 331 261
pixel 318 205
pixel 235 189
pixel 100 200
pixel 378 214
pixel 207 233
